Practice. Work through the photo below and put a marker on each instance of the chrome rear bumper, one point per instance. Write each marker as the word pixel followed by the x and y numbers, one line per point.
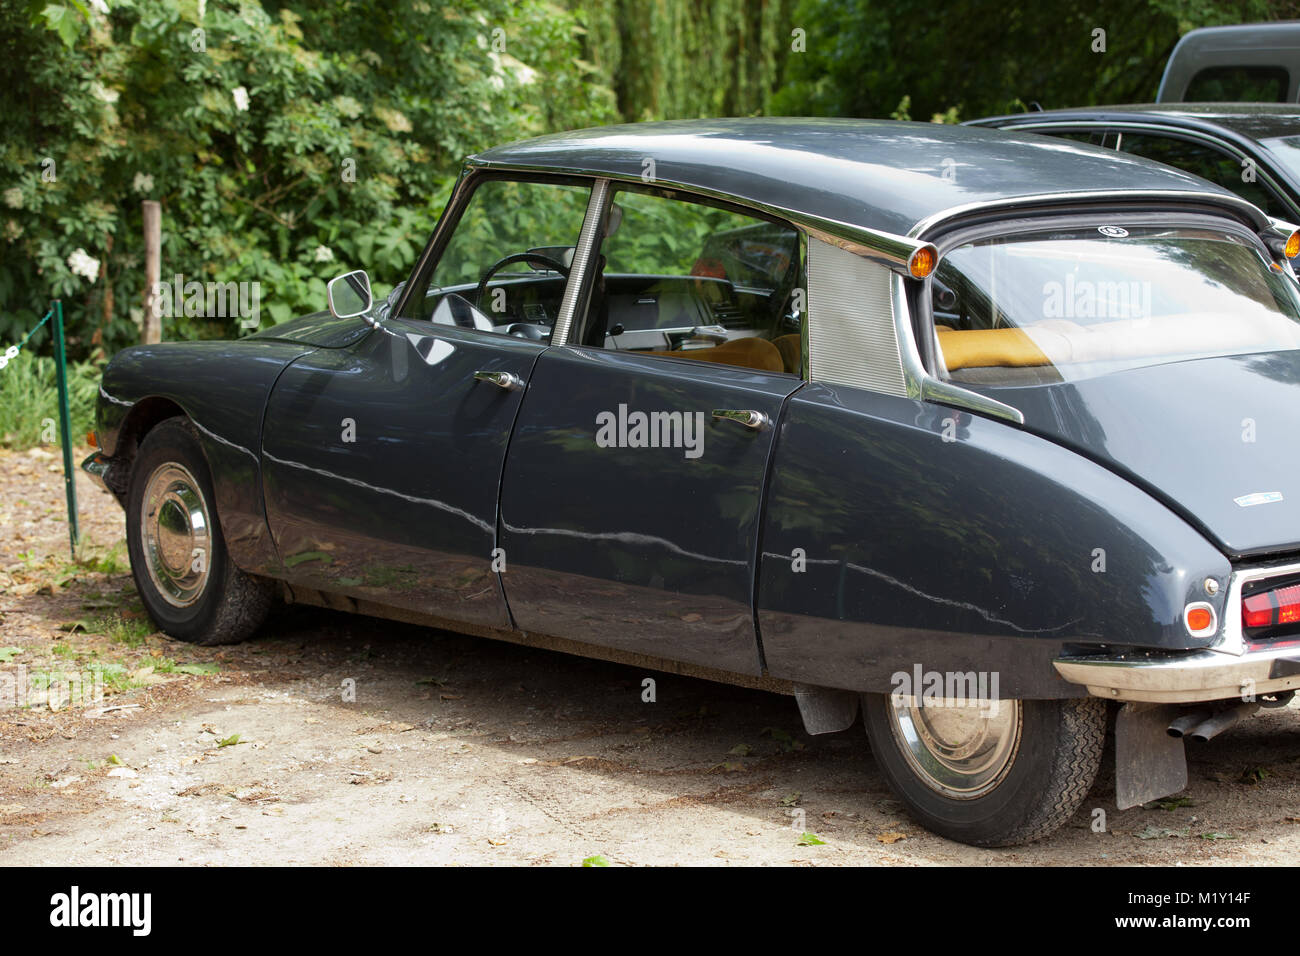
pixel 1187 678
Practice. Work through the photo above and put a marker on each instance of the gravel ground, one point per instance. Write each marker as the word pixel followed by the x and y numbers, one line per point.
pixel 461 750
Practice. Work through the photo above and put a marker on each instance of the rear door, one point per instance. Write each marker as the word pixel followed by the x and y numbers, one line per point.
pixel 633 488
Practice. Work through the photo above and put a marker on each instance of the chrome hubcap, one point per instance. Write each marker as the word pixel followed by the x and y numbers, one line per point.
pixel 960 748
pixel 176 534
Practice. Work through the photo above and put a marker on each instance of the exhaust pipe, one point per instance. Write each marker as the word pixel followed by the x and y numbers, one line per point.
pixel 1181 726
pixel 1211 728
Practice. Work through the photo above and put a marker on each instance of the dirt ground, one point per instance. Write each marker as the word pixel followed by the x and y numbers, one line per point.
pixel 459 750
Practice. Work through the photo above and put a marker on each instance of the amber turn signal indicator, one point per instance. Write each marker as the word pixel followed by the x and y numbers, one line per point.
pixel 1200 619
pixel 922 262
pixel 1292 248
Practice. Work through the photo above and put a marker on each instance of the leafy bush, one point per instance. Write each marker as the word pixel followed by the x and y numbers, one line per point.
pixel 286 143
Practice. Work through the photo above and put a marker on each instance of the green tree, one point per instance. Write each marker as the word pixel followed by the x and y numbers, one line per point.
pixel 286 142
pixel 987 56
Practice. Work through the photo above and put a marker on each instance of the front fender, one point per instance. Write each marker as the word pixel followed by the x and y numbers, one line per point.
pixel 223 388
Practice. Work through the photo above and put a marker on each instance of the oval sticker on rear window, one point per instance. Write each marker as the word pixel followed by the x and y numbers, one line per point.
pixel 1113 232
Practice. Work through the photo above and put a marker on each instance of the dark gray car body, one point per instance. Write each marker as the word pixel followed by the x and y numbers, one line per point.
pixel 966 554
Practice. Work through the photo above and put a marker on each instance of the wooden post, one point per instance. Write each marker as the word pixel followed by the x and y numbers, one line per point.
pixel 151 326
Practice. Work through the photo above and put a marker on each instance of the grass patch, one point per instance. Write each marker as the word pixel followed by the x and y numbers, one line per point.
pixel 103 561
pixel 29 401
pixel 121 629
pixel 165 665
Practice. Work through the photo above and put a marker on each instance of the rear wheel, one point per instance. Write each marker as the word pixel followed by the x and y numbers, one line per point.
pixel 188 584
pixel 988 773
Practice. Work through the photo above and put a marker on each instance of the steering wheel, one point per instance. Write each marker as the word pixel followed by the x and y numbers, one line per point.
pixel 536 257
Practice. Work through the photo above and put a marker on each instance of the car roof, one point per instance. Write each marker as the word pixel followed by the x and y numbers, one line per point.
pixel 878 174
pixel 1253 121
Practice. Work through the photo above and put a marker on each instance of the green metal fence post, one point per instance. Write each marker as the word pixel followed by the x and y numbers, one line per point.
pixel 65 426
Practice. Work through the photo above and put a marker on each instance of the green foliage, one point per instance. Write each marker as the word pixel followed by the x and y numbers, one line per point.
pixel 505 218
pixel 285 142
pixel 667 59
pixel 868 57
pixel 288 142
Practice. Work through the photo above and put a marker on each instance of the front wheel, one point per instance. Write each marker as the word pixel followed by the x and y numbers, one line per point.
pixel 188 584
pixel 988 773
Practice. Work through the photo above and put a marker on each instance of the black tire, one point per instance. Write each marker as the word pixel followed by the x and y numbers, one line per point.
pixel 223 605
pixel 1049 773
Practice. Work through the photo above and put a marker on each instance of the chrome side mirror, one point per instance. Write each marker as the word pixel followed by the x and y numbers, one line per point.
pixel 349 295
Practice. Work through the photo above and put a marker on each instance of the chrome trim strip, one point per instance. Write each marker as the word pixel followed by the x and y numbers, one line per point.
pixel 886 248
pixel 1253 215
pixel 1197 676
pixel 805 354
pixel 1275 236
pixel 924 386
pixel 581 260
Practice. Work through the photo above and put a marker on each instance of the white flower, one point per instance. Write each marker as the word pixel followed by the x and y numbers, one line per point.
pixel 14 198
pixel 100 6
pixel 108 96
pixel 323 254
pixel 203 6
pixel 143 183
pixel 83 265
pixel 241 98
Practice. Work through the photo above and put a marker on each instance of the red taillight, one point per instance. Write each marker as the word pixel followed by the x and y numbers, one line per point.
pixel 1271 608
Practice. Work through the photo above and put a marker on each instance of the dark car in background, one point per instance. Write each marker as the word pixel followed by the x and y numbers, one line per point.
pixel 939 425
pixel 1241 63
pixel 1252 149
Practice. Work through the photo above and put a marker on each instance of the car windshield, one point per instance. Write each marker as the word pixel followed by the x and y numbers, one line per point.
pixel 1061 306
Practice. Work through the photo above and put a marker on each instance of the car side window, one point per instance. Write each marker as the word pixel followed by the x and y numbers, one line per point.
pixel 1204 161
pixel 1238 84
pixel 506 264
pixel 688 279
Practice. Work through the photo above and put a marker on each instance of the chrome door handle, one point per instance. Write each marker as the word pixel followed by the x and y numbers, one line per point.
pixel 745 416
pixel 507 380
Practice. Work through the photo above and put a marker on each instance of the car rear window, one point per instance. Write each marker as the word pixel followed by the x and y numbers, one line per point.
pixel 1061 306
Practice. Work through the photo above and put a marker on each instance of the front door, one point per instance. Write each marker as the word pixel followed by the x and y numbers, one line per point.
pixel 383 461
